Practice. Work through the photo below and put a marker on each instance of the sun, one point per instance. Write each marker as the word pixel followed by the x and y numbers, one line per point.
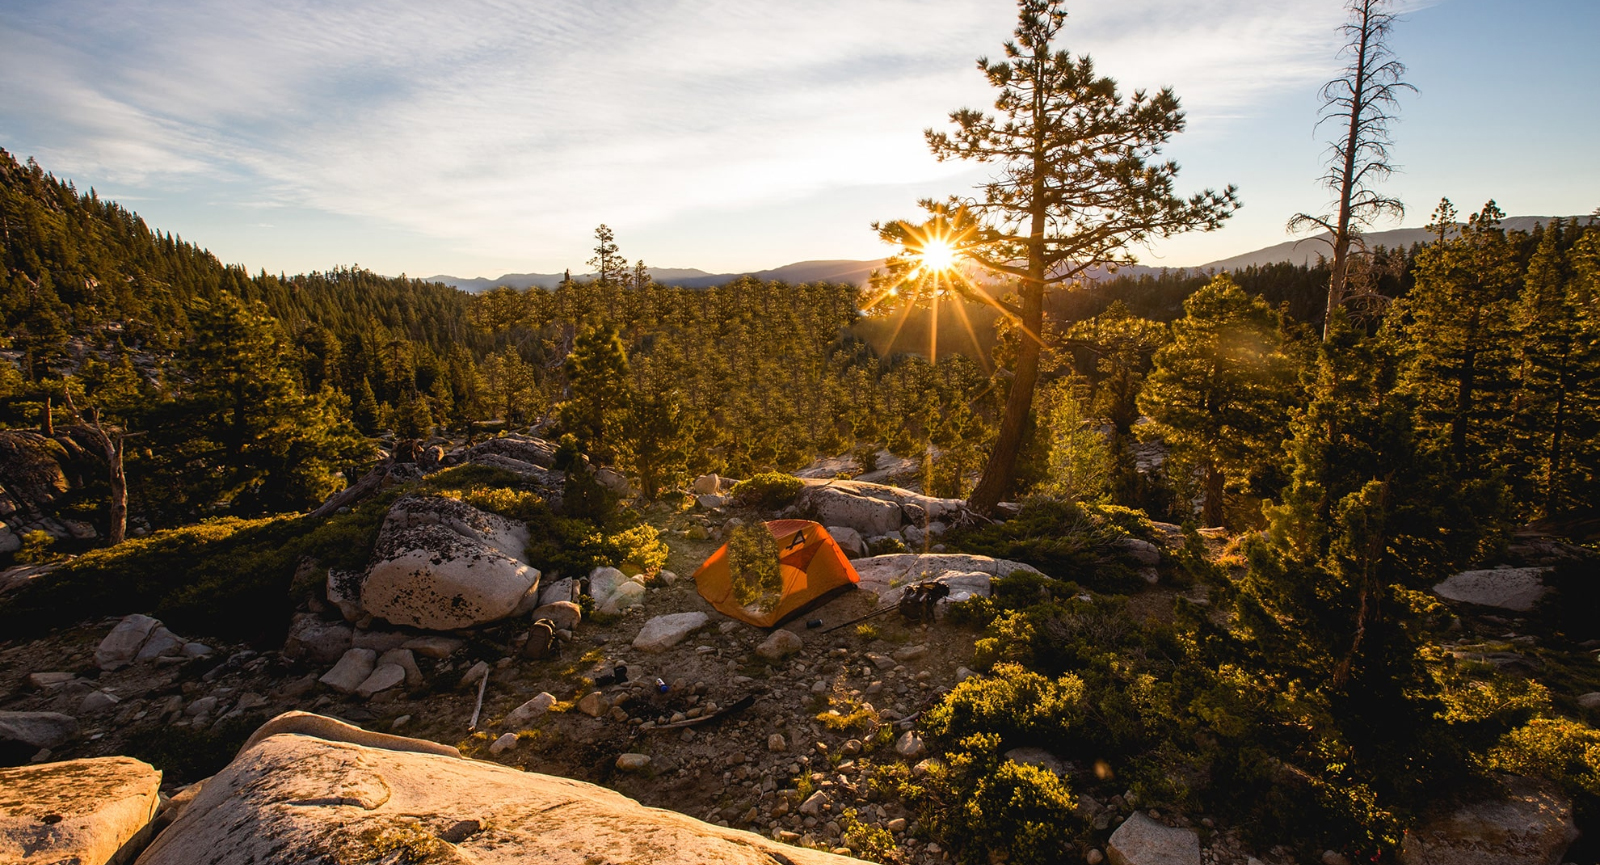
pixel 937 255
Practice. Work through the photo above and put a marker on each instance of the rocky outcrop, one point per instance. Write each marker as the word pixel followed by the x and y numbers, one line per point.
pixel 1529 826
pixel 88 812
pixel 967 575
pixel 1516 589
pixel 876 509
pixel 301 799
pixel 441 564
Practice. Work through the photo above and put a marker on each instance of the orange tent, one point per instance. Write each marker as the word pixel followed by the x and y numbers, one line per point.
pixel 810 564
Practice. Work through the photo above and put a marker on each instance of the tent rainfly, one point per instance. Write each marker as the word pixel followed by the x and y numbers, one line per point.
pixel 763 582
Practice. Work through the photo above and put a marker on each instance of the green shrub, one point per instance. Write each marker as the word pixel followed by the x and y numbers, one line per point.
pixel 513 504
pixel 865 840
pixel 1063 539
pixel 1563 751
pixel 35 549
pixel 1020 706
pixel 573 547
pixel 767 491
pixel 1001 810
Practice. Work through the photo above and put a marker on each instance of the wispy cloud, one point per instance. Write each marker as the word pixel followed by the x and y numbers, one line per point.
pixel 502 127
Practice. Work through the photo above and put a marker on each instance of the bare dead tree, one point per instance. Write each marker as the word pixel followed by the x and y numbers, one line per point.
pixel 110 440
pixel 1363 101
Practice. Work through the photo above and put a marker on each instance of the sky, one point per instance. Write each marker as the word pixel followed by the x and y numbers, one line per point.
pixel 481 137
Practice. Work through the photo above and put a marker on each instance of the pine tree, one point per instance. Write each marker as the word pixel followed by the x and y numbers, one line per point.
pixel 1456 325
pixel 366 412
pixel 598 381
pixel 1557 376
pixel 1221 389
pixel 1076 185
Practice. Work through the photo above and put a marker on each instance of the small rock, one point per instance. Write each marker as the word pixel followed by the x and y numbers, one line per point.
pixel 161 642
pixel 530 710
pixel 850 748
pixel 352 669
pixel 594 704
pixel 97 701
pixel 503 744
pixel 399 722
pixel 1140 840
pixel 405 661
pixel 632 762
pixel 202 706
pixel 563 615
pixel 47 681
pixel 815 805
pixel 882 662
pixel 196 650
pixel 781 644
pixel 963 674
pixel 898 824
pixel 383 677
pixel 820 686
pixel 775 742
pixel 1590 700
pixel 434 646
pixel 474 673
pixel 910 653
pixel 1334 857
pixel 122 645
pixel 1094 856
pixel 909 745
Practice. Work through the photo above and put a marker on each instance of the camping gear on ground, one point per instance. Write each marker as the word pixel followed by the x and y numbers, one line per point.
pixel 917 604
pixel 765 573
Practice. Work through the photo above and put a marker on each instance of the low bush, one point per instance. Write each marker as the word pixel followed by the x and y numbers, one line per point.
pixel 1002 810
pixel 1063 539
pixel 767 491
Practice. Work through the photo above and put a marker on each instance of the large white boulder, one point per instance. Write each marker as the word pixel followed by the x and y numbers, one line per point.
pixel 663 632
pixel 838 506
pixel 1516 589
pixel 441 564
pixel 1142 841
pixel 298 798
pixel 95 807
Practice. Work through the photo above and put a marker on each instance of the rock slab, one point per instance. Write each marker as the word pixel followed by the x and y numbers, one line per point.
pixel 1142 841
pixel 300 799
pixel 1529 826
pixel 77 811
pixel 1515 589
pixel 664 632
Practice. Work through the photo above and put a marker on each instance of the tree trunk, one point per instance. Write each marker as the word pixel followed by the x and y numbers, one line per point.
pixel 47 422
pixel 117 532
pixel 1212 513
pixel 1338 280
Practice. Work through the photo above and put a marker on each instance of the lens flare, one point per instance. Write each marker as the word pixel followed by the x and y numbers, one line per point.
pixel 937 255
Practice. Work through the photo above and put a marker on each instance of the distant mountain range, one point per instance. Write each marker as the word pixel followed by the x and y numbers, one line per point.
pixel 1300 251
